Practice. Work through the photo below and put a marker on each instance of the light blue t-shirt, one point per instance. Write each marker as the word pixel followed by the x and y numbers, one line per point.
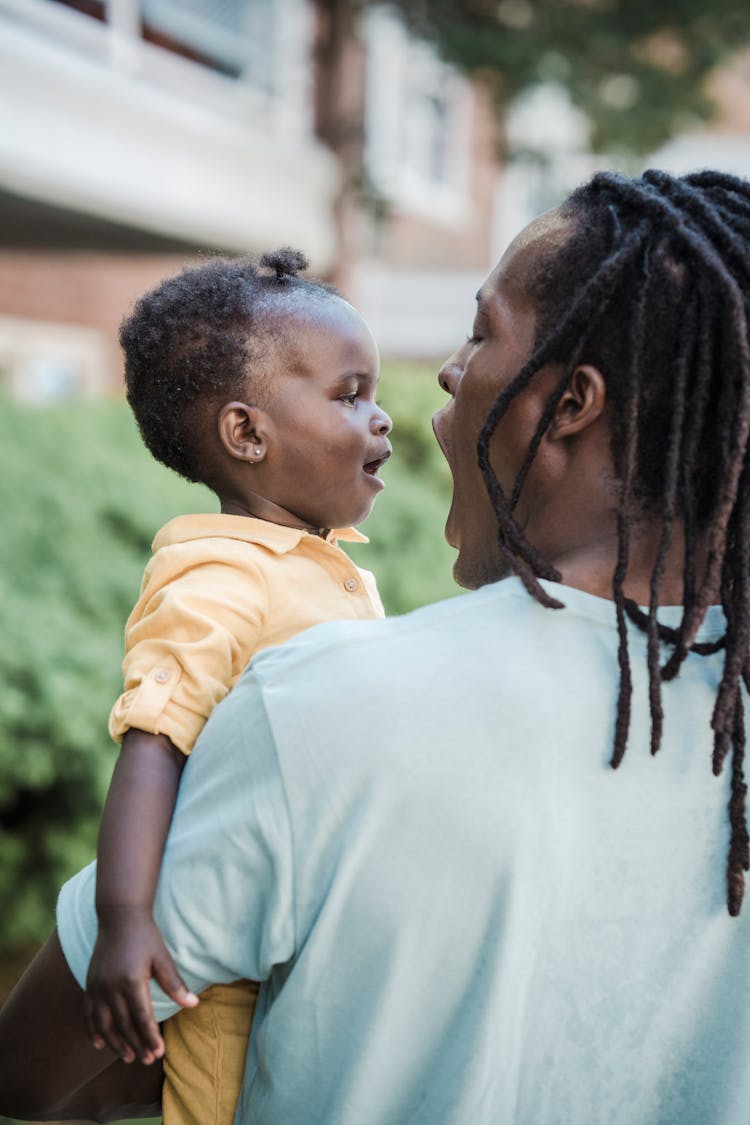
pixel 410 832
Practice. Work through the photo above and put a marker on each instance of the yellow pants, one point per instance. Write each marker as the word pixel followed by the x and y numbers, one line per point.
pixel 205 1055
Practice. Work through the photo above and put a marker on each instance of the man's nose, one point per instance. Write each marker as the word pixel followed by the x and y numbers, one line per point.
pixel 381 422
pixel 450 374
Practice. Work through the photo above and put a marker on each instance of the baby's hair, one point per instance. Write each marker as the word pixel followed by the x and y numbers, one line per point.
pixel 200 339
pixel 653 288
pixel 286 262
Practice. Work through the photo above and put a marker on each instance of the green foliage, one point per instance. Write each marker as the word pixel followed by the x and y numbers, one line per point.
pixel 407 550
pixel 81 501
pixel 637 68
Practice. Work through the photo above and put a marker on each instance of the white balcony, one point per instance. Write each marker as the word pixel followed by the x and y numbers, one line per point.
pixel 103 123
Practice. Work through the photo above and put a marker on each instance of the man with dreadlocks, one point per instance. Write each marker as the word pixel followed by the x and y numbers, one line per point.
pixel 460 911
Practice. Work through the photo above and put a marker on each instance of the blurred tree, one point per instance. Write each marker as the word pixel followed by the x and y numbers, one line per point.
pixel 637 68
pixel 339 100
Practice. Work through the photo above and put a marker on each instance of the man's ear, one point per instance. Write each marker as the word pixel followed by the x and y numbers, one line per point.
pixel 242 432
pixel 582 403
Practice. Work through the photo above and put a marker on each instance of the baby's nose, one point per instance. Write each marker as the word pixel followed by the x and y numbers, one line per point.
pixel 381 422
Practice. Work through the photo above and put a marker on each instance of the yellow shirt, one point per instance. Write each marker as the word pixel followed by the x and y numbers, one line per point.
pixel 217 590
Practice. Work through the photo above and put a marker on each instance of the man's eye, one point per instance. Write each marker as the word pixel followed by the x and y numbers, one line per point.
pixel 473 340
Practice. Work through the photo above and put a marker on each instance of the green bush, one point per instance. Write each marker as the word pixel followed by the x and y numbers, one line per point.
pixel 407 548
pixel 81 501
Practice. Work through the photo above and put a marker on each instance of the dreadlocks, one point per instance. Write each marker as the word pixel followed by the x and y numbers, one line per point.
pixel 662 310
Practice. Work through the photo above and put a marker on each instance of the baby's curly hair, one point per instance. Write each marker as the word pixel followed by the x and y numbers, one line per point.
pixel 199 338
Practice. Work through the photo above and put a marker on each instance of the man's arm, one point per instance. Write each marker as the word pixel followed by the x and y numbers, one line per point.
pixel 48 1068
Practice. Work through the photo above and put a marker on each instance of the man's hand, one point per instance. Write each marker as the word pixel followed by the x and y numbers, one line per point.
pixel 130 951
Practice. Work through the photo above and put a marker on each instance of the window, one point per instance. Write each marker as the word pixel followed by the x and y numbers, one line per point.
pixel 95 8
pixel 41 362
pixel 234 36
pixel 238 38
pixel 418 121
pixel 425 141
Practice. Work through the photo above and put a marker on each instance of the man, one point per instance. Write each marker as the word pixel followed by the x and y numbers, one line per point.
pixel 459 911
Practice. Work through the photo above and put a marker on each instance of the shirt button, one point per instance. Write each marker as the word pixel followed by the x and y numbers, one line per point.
pixel 351 585
pixel 161 676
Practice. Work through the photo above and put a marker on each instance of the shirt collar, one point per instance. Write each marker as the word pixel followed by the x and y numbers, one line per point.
pixel 274 536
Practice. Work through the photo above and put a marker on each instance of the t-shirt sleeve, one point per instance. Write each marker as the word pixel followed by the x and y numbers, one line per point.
pixel 187 641
pixel 224 902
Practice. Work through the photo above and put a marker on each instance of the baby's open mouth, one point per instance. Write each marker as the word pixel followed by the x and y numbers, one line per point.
pixel 372 466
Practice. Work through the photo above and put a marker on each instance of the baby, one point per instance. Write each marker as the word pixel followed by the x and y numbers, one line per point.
pixel 260 384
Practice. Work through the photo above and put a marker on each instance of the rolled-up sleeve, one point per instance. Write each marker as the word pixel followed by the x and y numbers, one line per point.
pixel 187 642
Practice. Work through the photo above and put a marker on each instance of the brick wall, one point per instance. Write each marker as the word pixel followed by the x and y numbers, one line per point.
pixel 87 290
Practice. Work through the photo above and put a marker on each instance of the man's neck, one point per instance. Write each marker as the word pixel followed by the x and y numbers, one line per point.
pixel 590 563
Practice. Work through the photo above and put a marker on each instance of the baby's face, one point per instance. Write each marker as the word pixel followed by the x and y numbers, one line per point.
pixel 327 437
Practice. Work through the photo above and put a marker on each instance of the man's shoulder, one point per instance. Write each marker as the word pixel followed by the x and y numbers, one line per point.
pixel 431 625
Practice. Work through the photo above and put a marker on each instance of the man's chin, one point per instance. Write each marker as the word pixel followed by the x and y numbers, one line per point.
pixel 450 535
pixel 472 573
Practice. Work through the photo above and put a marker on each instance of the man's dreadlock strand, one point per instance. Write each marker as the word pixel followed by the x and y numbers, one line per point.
pixel 632 405
pixel 669 507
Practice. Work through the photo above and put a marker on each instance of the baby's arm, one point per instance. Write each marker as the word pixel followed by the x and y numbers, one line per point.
pixel 129 948
pixel 193 627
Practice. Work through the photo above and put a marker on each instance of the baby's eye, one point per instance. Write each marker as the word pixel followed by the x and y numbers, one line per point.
pixel 350 398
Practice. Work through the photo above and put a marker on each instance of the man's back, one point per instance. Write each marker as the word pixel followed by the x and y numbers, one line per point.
pixel 463 913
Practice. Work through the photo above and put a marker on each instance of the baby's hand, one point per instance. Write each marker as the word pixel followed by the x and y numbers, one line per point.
pixel 128 952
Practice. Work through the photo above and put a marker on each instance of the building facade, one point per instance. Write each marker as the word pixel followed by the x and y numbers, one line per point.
pixel 143 132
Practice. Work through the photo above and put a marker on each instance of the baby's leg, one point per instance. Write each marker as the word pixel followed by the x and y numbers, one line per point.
pixel 205 1056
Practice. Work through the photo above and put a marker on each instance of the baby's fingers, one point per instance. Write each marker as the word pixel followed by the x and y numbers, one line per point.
pixel 103 1031
pixel 138 1025
pixel 170 981
pixel 97 1040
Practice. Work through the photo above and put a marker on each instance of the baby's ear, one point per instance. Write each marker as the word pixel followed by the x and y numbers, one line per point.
pixel 582 402
pixel 242 431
